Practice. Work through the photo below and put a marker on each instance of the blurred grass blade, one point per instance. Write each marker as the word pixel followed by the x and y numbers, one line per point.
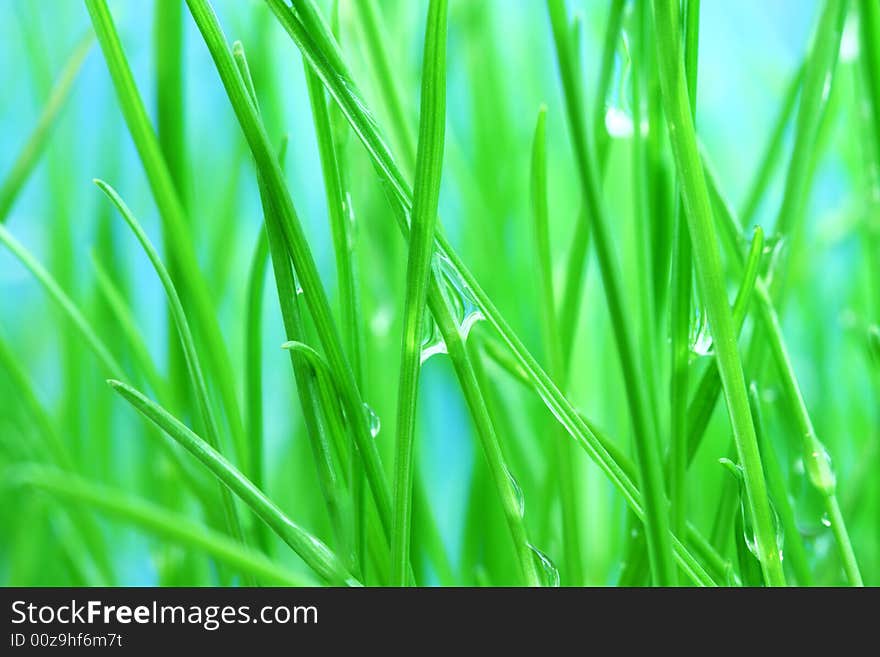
pixel 174 225
pixel 764 173
pixel 168 47
pixel 564 465
pixel 315 554
pixel 187 343
pixel 707 260
pixel 123 315
pixel 164 524
pixel 68 307
pixel 818 77
pixel 253 364
pixel 33 148
pixel 646 441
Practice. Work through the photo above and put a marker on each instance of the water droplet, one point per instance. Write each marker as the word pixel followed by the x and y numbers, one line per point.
pixel 461 300
pixel 618 114
pixel 874 343
pixel 518 494
pixel 826 521
pixel 700 336
pixel 373 419
pixel 618 103
pixel 348 213
pixel 826 87
pixel 618 123
pixel 432 340
pixel 817 462
pixel 730 575
pixel 749 537
pixel 380 322
pixel 459 295
pixel 849 41
pixel 777 249
pixel 848 319
pixel 546 570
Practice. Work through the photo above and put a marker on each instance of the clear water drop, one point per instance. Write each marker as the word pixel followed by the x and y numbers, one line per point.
pixel 778 249
pixel 432 340
pixel 348 213
pixel 546 570
pixel 618 123
pixel 373 419
pixel 459 295
pixel 461 300
pixel 749 536
pixel 380 322
pixel 849 41
pixel 826 87
pixel 817 462
pixel 518 494
pixel 874 343
pixel 700 336
pixel 826 521
pixel 618 103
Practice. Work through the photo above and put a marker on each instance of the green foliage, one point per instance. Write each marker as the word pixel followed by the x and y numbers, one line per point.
pixel 436 390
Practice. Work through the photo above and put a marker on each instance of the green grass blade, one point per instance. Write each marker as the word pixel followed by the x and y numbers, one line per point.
pixel 187 343
pixel 818 77
pixel 489 443
pixel 429 167
pixel 702 404
pixel 869 55
pixel 122 313
pixel 340 223
pixel 647 448
pixel 606 70
pixel 795 552
pixel 174 225
pixel 295 241
pixel 817 462
pixel 68 307
pixel 555 365
pixel 370 22
pixel 626 473
pixel 155 520
pixel 709 274
pixel 312 551
pixel 816 457
pixel 770 158
pixel 577 259
pixel 309 388
pixel 171 131
pixel 33 148
pixel 253 364
pixel 680 306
